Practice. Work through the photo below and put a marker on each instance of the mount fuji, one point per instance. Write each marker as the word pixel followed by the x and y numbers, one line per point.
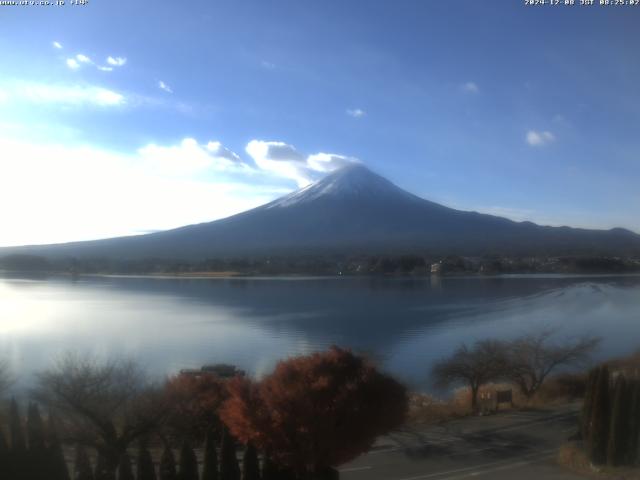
pixel 351 210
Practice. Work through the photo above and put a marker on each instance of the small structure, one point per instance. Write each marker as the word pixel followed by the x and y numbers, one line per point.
pixel 504 396
pixel 489 402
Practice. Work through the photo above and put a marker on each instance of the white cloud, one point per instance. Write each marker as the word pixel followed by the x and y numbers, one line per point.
pixel 328 162
pixel 72 64
pixel 57 45
pixel 190 157
pixel 276 151
pixel 67 191
pixel 164 86
pixel 83 58
pixel 104 97
pixel 76 95
pixel 284 160
pixel 86 95
pixel 116 61
pixel 220 151
pixel 268 65
pixel 539 139
pixel 356 113
pixel 280 159
pixel 470 87
pixel 80 59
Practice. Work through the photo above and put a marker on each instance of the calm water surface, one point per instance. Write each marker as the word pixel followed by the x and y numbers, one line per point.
pixel 168 324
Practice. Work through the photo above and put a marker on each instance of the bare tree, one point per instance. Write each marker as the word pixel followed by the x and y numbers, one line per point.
pixel 532 357
pixel 475 366
pixel 102 405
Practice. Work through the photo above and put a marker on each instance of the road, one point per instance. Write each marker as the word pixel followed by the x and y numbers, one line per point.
pixel 510 445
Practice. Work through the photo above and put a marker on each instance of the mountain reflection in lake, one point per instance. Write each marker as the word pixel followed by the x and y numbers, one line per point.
pixel 405 323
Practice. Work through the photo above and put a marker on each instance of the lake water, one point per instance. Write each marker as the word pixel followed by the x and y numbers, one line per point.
pixel 405 323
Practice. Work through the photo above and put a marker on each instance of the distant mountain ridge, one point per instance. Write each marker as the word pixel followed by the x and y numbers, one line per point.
pixel 351 210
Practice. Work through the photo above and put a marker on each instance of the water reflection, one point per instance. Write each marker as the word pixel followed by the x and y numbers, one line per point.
pixel 406 322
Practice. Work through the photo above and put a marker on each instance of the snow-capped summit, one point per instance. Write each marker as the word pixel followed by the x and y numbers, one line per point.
pixel 348 182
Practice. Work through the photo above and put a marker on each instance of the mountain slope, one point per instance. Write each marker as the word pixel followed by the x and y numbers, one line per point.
pixel 351 210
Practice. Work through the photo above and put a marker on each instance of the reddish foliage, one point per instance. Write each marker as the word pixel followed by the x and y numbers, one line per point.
pixel 194 401
pixel 316 411
pixel 245 411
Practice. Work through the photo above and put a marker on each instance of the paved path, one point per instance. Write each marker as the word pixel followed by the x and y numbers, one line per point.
pixel 510 445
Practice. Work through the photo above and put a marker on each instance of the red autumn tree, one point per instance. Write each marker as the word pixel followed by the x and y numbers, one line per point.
pixel 316 411
pixel 193 403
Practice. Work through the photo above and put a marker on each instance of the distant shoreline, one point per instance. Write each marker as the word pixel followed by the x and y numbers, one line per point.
pixel 330 266
pixel 311 276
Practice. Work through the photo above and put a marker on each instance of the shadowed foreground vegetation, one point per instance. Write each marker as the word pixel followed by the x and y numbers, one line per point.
pixel 608 442
pixel 91 420
pixel 310 415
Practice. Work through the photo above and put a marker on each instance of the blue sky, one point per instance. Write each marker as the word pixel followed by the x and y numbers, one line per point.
pixel 125 117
